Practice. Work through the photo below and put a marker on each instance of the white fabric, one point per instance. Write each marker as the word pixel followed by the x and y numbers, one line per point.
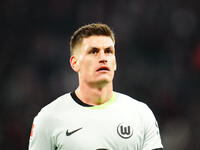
pixel 125 124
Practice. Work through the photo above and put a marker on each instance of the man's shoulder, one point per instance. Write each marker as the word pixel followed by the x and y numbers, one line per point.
pixel 128 99
pixel 131 102
pixel 135 106
pixel 48 115
pixel 55 106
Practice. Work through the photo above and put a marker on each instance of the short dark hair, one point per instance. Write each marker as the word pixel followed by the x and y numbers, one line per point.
pixel 89 30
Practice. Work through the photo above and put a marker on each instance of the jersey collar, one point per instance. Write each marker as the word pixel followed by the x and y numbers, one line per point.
pixel 109 102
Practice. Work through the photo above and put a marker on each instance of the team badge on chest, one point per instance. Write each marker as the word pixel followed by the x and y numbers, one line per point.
pixel 125 130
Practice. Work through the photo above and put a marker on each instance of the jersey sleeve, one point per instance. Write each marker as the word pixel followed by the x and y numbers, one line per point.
pixel 40 137
pixel 152 138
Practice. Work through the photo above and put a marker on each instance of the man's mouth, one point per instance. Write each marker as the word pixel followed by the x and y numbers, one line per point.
pixel 103 69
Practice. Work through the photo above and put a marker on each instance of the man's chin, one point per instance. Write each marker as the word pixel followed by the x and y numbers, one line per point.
pixel 103 81
pixel 100 83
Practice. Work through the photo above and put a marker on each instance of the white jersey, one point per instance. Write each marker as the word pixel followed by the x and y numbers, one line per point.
pixel 122 123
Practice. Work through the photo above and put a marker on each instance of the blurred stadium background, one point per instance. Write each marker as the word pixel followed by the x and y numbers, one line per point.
pixel 158 54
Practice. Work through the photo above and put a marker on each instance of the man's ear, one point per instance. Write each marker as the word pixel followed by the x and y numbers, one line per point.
pixel 115 68
pixel 74 63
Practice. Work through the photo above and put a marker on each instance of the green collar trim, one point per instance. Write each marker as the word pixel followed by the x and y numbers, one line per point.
pixel 108 103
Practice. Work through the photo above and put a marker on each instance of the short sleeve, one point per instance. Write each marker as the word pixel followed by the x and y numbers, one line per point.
pixel 152 138
pixel 40 137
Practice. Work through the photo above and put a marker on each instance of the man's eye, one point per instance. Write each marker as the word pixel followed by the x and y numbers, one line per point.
pixel 108 50
pixel 93 51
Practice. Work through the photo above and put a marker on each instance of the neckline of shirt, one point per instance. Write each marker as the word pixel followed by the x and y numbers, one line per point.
pixel 78 101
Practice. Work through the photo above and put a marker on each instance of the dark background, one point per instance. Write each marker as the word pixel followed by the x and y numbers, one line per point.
pixel 158 54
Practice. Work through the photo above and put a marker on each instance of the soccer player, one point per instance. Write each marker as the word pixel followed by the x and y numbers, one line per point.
pixel 94 117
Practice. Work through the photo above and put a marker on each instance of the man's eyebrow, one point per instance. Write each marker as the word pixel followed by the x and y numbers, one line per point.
pixel 110 47
pixel 91 47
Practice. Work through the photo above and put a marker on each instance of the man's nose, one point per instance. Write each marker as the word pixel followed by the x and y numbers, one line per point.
pixel 102 57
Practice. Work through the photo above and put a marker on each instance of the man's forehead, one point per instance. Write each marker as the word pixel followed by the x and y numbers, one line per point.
pixel 98 41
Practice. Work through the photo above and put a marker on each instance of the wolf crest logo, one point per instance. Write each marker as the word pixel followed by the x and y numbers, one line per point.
pixel 124 130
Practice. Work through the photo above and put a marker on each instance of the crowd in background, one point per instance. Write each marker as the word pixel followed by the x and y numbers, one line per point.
pixel 158 60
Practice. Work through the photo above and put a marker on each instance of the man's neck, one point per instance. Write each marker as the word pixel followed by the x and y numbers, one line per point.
pixel 94 95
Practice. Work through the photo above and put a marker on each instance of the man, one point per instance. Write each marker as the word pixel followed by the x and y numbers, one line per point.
pixel 94 117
